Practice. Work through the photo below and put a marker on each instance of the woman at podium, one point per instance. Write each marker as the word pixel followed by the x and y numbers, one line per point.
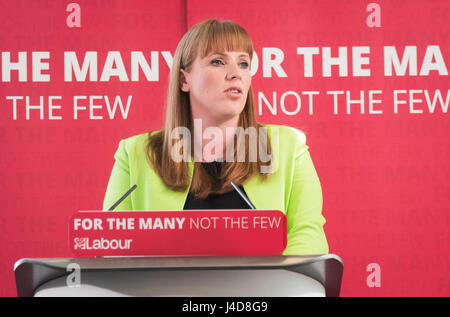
pixel 211 141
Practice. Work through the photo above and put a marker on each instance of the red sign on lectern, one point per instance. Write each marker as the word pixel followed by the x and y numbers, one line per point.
pixel 146 233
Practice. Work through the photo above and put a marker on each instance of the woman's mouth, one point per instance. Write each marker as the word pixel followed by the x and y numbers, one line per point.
pixel 234 92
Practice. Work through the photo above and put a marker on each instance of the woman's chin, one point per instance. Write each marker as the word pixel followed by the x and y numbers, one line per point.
pixel 233 110
pixel 230 115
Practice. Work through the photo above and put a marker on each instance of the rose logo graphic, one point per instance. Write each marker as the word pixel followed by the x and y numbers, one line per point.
pixel 80 243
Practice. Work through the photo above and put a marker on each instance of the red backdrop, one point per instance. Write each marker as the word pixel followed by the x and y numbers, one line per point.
pixel 376 122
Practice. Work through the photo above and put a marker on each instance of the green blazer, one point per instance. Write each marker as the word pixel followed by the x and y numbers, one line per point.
pixel 294 188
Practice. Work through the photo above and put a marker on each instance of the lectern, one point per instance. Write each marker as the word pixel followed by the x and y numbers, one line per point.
pixel 203 276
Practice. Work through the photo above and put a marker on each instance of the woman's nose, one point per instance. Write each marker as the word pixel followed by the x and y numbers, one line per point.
pixel 233 71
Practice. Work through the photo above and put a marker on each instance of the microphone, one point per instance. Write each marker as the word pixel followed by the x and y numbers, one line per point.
pixel 122 198
pixel 243 195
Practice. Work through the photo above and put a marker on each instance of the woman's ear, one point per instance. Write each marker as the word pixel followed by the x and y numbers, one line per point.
pixel 184 81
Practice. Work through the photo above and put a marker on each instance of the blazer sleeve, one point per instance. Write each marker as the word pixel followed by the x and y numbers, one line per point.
pixel 304 215
pixel 119 181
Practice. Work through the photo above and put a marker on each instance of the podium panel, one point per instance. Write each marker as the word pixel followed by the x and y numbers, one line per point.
pixel 188 283
pixel 203 276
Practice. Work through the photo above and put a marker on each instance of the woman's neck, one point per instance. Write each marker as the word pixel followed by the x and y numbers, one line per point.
pixel 211 138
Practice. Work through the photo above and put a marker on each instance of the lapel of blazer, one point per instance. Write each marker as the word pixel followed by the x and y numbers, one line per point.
pixel 172 200
pixel 268 194
pixel 265 195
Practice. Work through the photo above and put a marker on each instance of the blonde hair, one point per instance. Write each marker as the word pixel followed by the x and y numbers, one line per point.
pixel 203 38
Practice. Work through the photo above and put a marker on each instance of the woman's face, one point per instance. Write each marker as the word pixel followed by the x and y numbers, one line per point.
pixel 218 85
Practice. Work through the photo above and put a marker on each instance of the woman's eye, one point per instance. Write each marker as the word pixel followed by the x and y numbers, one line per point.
pixel 216 62
pixel 244 65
